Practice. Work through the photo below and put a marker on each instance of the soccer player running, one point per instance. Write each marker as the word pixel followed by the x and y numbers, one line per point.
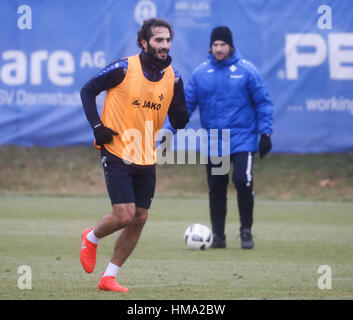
pixel 231 94
pixel 141 91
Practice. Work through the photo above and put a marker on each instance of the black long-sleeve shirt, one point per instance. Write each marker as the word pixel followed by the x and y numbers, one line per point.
pixel 114 74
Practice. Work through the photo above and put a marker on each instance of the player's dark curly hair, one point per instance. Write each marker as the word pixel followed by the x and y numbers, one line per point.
pixel 145 33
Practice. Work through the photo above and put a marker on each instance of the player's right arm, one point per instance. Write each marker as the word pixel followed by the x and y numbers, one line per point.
pixel 106 79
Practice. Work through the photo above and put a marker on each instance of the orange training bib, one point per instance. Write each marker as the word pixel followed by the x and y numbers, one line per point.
pixel 136 109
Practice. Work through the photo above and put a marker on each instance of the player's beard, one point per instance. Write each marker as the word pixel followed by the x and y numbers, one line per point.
pixel 154 52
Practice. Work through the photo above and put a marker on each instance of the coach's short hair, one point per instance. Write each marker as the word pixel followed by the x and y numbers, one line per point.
pixel 145 33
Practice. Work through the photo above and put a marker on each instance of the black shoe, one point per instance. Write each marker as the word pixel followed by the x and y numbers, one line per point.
pixel 218 242
pixel 246 239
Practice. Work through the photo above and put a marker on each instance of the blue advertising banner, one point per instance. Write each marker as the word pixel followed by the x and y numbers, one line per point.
pixel 50 48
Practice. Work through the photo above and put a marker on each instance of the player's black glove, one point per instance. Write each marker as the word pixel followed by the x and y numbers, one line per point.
pixel 102 134
pixel 265 145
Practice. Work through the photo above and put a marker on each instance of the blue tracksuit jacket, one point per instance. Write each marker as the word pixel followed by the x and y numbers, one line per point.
pixel 231 94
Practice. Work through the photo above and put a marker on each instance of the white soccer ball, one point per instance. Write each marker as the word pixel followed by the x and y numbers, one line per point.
pixel 198 237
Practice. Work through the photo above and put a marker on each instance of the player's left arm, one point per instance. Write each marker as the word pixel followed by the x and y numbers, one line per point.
pixel 178 114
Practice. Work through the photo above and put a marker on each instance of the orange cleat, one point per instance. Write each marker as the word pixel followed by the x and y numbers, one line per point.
pixel 88 252
pixel 108 283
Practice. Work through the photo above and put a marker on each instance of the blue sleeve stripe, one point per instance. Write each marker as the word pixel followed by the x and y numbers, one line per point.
pixel 177 74
pixel 122 63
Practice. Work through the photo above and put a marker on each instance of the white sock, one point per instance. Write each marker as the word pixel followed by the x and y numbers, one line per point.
pixel 111 270
pixel 92 237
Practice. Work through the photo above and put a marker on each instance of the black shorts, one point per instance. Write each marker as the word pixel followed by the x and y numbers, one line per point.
pixel 128 183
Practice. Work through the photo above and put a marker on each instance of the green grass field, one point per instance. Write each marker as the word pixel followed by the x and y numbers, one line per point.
pixel 77 171
pixel 292 240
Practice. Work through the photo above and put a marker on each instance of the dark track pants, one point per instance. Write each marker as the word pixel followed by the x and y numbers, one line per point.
pixel 243 182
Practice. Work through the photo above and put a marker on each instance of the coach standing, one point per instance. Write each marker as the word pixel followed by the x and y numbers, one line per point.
pixel 231 94
pixel 141 91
